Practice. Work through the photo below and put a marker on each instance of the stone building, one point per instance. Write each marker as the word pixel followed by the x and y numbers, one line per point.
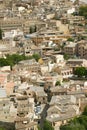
pixel 70 49
pixel 11 23
pixel 62 109
pixel 82 49
pixel 27 65
pixel 24 120
pixel 4 106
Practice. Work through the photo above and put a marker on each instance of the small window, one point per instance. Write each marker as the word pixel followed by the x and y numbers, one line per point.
pixel 43 98
pixel 25 122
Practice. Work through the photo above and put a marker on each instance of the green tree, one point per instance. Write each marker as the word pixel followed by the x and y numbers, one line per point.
pixel 4 62
pixel 66 57
pixel 80 71
pixel 36 56
pixel 83 11
pixel 57 83
pixel 47 126
pixel 76 126
pixel 85 111
pixel 30 30
pixel 0 34
pixel 33 29
pixel 70 39
pixel 13 59
pixel 83 120
pixel 1 128
pixel 39 128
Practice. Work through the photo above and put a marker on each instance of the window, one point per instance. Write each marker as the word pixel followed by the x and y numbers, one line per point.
pixel 43 98
pixel 25 122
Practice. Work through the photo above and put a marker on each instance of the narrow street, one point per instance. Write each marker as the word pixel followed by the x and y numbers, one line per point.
pixel 43 115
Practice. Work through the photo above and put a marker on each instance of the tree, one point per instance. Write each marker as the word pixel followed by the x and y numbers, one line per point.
pixel 83 120
pixel 30 30
pixel 39 128
pixel 57 83
pixel 13 59
pixel 83 11
pixel 4 62
pixel 47 126
pixel 80 71
pixel 66 57
pixel 85 111
pixel 76 126
pixel 0 34
pixel 33 29
pixel 1 128
pixel 36 56
pixel 70 39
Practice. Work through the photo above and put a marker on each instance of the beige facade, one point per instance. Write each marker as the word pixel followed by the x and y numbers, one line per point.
pixel 76 20
pixel 27 65
pixel 11 24
pixel 31 23
pixel 82 49
pixel 23 121
pixel 70 49
pixel 61 110
pixel 20 23
pixel 77 62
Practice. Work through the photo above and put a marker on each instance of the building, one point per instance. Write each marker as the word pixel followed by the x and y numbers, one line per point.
pixel 77 62
pixel 28 65
pixel 11 24
pixel 23 120
pixel 82 49
pixel 70 49
pixel 5 107
pixel 58 90
pixel 76 20
pixel 62 109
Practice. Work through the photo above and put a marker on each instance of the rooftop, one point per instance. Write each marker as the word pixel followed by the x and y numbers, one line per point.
pixel 3 93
